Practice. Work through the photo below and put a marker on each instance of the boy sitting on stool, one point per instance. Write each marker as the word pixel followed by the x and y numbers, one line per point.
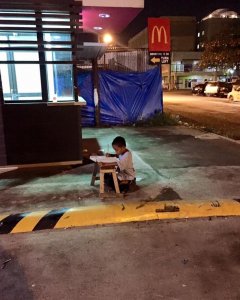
pixel 125 170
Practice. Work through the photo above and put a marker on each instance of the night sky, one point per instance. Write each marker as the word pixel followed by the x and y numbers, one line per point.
pixel 157 8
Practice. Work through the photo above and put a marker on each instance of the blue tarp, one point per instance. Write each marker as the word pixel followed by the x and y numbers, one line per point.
pixel 125 98
pixel 85 86
pixel 129 97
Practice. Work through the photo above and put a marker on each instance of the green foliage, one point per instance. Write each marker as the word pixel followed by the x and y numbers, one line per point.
pixel 159 119
pixel 222 53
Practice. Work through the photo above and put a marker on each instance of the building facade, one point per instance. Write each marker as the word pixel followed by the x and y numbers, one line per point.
pixel 220 22
pixel 187 42
pixel 42 45
pixel 182 73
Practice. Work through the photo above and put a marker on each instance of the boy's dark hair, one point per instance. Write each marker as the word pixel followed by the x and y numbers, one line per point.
pixel 119 141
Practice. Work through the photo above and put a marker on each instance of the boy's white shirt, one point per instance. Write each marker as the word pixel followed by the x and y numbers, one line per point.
pixel 126 168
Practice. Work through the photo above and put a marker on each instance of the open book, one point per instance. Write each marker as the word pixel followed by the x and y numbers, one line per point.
pixel 104 159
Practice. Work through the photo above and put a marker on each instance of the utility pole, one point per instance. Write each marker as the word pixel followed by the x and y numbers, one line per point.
pixel 160 70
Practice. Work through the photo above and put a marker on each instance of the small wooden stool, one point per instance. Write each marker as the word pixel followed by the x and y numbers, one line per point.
pixel 106 169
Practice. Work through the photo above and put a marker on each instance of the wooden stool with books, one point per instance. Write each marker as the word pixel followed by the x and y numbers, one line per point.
pixel 105 165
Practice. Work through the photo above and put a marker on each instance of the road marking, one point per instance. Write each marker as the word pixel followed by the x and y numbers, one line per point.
pixel 50 219
pixel 116 213
pixel 27 224
pixel 9 222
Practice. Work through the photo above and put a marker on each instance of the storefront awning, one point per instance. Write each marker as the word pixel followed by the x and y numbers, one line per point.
pixel 92 50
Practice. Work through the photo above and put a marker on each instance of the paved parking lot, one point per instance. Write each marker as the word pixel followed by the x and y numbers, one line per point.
pixel 173 260
pixel 215 114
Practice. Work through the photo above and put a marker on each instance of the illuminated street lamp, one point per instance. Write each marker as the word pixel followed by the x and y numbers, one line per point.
pixel 107 38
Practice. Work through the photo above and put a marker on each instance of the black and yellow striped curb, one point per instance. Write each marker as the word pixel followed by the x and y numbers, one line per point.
pixel 115 213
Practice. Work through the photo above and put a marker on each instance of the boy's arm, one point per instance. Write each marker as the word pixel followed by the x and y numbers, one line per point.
pixel 124 163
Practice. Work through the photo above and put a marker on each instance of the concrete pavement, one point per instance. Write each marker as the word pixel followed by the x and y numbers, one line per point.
pixel 182 259
pixel 172 163
pixel 170 260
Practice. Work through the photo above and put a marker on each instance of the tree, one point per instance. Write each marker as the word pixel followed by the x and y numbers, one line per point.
pixel 222 53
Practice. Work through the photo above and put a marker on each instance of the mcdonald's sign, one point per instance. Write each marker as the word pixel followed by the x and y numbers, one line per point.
pixel 159 35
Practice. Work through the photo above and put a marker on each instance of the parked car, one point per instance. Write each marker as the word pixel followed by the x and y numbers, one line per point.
pixel 219 89
pixel 199 89
pixel 234 95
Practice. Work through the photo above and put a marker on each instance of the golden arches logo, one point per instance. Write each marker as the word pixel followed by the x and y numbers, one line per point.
pixel 159 32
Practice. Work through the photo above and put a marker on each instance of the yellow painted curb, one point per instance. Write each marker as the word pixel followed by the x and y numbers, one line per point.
pixel 28 223
pixel 107 214
pixel 130 212
pixel 117 213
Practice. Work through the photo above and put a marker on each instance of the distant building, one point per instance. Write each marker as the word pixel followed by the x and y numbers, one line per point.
pixel 219 22
pixel 184 72
pixel 187 41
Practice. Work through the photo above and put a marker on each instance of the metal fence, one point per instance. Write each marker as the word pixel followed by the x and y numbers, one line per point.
pixel 125 60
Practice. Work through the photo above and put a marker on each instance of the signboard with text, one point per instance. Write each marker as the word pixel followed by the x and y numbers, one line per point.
pixel 159 41
pixel 159 57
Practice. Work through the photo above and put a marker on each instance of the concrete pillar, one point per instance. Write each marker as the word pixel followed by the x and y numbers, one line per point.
pixel 169 77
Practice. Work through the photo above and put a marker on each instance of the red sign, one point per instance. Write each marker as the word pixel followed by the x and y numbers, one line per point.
pixel 159 35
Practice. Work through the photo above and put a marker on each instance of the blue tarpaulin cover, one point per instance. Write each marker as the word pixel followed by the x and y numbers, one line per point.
pixel 125 98
pixel 85 85
pixel 129 97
